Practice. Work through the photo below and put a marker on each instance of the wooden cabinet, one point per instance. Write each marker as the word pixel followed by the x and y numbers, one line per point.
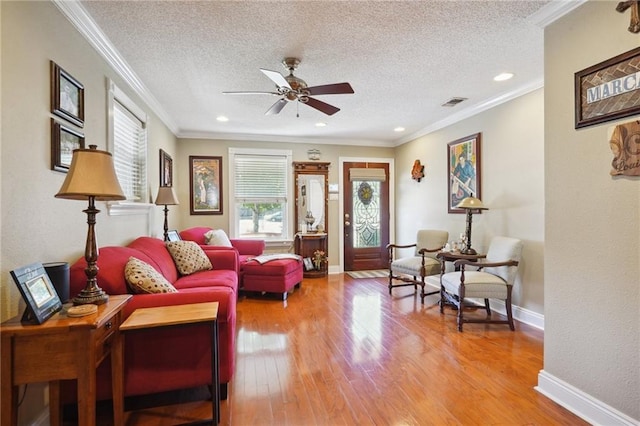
pixel 306 246
pixel 312 184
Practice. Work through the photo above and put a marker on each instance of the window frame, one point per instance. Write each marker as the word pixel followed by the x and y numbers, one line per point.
pixel 287 232
pixel 127 207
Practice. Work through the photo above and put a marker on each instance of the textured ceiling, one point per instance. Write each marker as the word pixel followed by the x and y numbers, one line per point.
pixel 404 59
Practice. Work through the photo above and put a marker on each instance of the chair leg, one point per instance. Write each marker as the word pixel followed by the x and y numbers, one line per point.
pixel 460 315
pixel 509 310
pixel 390 281
pixel 487 307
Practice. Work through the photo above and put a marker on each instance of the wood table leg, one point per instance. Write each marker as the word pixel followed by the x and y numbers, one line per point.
pixel 55 410
pixel 215 372
pixel 117 378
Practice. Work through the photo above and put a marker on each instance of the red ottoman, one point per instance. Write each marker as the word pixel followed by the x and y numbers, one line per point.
pixel 270 274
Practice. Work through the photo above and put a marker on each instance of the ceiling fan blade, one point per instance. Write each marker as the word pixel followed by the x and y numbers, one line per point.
pixel 330 89
pixel 277 78
pixel 322 106
pixel 277 107
pixel 252 93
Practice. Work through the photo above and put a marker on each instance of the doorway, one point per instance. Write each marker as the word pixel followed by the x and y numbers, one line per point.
pixel 366 215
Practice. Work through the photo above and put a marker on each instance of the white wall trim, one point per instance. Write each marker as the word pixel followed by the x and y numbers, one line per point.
pixel 581 404
pixel 82 21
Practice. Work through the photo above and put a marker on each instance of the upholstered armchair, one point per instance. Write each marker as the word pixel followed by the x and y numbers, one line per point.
pixel 490 276
pixel 412 270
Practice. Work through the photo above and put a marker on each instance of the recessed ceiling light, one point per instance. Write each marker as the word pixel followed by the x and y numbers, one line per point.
pixel 399 129
pixel 321 124
pixel 502 77
pixel 222 118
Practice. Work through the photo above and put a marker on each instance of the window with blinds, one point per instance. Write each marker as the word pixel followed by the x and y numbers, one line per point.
pixel 260 187
pixel 130 152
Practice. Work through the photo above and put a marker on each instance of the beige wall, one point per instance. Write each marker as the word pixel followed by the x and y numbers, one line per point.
pixel 329 153
pixel 35 226
pixel 592 253
pixel 512 187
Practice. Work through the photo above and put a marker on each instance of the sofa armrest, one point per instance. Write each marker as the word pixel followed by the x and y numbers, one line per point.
pixel 223 257
pixel 247 246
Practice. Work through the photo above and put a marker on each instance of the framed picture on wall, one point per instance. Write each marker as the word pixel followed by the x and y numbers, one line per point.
pixel 63 141
pixel 67 96
pixel 166 169
pixel 205 185
pixel 463 167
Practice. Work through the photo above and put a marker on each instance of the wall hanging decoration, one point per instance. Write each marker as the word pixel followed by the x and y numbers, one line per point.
pixel 608 90
pixel 67 96
pixel 417 172
pixel 634 5
pixel 625 145
pixel 463 167
pixel 166 169
pixel 205 185
pixel 63 141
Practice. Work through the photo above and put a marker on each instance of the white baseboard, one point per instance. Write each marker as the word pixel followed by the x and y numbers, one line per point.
pixel 581 404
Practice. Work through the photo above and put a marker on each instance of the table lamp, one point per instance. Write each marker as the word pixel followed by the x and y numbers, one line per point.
pixel 91 177
pixel 470 204
pixel 166 197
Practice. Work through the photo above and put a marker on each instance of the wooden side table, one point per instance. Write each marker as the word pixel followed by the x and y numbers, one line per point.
pixel 306 244
pixel 63 348
pixel 181 315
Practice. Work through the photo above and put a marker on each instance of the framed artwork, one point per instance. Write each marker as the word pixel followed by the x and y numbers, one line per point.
pixel 463 169
pixel 63 141
pixel 608 90
pixel 38 293
pixel 67 96
pixel 205 185
pixel 166 169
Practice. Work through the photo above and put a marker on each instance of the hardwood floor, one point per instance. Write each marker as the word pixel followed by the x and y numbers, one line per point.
pixel 342 351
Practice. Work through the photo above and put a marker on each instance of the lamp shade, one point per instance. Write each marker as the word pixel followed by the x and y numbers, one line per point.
pixel 166 197
pixel 472 203
pixel 91 174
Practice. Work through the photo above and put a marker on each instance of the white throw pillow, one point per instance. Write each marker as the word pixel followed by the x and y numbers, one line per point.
pixel 217 237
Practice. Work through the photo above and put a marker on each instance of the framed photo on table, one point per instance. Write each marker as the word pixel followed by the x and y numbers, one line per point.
pixel 205 185
pixel 63 141
pixel 463 169
pixel 67 96
pixel 38 293
pixel 166 169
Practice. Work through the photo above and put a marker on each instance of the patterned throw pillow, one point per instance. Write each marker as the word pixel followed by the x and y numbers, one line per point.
pixel 188 257
pixel 143 278
pixel 217 237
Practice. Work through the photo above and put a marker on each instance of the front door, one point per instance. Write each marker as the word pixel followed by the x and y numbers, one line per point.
pixel 366 216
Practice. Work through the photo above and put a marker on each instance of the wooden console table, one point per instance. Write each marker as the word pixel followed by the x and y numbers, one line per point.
pixel 63 348
pixel 182 315
pixel 306 244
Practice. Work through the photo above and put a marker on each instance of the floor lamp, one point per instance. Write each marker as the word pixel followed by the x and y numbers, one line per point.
pixel 165 198
pixel 91 177
pixel 470 204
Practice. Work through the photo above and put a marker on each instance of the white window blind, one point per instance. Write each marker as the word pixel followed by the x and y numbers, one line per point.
pixel 260 178
pixel 130 152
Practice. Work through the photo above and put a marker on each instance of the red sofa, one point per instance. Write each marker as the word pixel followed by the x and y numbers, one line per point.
pixel 275 276
pixel 165 359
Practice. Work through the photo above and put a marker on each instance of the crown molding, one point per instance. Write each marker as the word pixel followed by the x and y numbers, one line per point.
pixel 553 11
pixel 280 138
pixel 473 110
pixel 82 21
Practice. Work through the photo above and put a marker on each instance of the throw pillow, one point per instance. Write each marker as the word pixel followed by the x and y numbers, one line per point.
pixel 188 257
pixel 217 237
pixel 143 278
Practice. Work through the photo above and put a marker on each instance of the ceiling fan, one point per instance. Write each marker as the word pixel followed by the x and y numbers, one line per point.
pixel 292 88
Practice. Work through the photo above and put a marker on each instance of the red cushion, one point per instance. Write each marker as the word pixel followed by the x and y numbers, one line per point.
pixel 156 249
pixel 110 277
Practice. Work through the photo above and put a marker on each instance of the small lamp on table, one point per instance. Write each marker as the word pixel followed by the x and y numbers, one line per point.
pixel 165 198
pixel 470 204
pixel 91 177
